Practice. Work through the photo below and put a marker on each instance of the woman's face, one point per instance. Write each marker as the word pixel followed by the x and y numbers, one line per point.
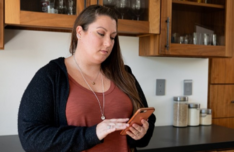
pixel 97 42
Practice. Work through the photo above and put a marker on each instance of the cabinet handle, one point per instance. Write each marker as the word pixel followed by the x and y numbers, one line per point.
pixel 168 26
pixel 98 2
pixel 232 101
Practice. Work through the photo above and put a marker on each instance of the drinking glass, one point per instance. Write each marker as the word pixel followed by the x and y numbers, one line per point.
pixel 61 6
pixel 71 7
pixel 123 7
pixel 181 40
pixel 206 39
pixel 137 7
pixel 214 37
pixel 195 38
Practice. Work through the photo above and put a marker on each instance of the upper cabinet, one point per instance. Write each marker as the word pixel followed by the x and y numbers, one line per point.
pixel 42 14
pixel 139 19
pixel 194 28
pixel 1 24
pixel 136 17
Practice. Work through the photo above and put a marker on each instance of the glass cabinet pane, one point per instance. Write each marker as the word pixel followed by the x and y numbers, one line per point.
pixel 67 7
pixel 129 9
pixel 198 22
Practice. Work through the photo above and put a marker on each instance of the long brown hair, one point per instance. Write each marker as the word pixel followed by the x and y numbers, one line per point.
pixel 113 67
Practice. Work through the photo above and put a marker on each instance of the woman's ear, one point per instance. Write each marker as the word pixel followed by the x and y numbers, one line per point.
pixel 79 30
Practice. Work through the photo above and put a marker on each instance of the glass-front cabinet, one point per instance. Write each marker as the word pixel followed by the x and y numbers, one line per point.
pixel 51 14
pixel 136 17
pixel 196 28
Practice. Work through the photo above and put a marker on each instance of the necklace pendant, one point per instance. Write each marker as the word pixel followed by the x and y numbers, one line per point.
pixel 103 117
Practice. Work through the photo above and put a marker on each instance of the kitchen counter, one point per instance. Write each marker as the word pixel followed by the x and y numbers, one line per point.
pixel 165 139
pixel 189 139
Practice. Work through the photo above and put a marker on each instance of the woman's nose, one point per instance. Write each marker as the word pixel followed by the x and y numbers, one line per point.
pixel 107 41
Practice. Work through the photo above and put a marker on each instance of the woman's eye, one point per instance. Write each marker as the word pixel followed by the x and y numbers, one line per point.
pixel 101 34
pixel 112 38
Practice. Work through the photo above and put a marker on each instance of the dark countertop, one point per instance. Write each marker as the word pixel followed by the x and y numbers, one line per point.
pixel 188 139
pixel 165 139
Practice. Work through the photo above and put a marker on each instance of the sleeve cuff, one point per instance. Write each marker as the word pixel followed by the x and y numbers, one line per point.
pixel 91 136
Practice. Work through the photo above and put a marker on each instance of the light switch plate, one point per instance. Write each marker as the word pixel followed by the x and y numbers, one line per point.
pixel 160 87
pixel 188 85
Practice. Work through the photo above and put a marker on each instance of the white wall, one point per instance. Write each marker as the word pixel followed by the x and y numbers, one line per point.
pixel 26 51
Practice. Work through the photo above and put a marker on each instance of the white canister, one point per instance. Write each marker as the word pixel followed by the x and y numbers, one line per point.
pixel 193 114
pixel 205 117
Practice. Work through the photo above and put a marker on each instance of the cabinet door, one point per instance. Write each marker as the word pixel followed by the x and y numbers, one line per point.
pixel 226 122
pixel 222 71
pixel 29 13
pixel 221 101
pixel 147 23
pixel 181 19
pixel 1 24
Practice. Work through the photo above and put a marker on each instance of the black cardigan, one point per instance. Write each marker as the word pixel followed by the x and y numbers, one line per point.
pixel 42 123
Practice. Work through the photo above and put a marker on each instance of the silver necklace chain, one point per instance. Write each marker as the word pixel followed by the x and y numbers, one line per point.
pixel 102 110
pixel 95 79
pixel 93 82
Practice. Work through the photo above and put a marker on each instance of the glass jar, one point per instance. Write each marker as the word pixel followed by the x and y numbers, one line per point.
pixel 205 117
pixel 180 112
pixel 193 114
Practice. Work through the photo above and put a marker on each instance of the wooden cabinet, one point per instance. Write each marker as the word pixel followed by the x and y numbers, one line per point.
pixel 222 101
pixel 226 122
pixel 180 19
pixel 1 24
pixel 25 13
pixel 222 71
pixel 221 91
pixel 149 25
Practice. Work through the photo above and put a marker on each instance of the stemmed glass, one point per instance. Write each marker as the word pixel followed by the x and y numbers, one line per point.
pixel 137 7
pixel 123 7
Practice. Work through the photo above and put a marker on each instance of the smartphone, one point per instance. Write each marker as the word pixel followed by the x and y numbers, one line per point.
pixel 142 113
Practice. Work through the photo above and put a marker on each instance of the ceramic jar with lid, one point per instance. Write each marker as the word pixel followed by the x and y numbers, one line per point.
pixel 193 114
pixel 180 111
pixel 205 117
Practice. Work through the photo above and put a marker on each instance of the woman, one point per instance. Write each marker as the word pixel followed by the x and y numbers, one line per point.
pixel 81 103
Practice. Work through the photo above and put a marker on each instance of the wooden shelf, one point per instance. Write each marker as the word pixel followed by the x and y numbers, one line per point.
pixel 47 20
pixel 140 27
pixel 198 4
pixel 197 50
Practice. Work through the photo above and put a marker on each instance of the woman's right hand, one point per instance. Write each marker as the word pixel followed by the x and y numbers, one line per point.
pixel 110 125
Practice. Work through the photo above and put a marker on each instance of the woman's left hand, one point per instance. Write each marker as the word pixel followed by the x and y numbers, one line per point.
pixel 137 131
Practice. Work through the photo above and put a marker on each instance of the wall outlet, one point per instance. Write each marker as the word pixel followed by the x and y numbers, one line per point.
pixel 188 85
pixel 160 87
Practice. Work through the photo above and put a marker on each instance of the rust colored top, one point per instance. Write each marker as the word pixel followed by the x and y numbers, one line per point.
pixel 83 110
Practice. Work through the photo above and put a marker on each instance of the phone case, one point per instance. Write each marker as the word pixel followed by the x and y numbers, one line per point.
pixel 142 113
